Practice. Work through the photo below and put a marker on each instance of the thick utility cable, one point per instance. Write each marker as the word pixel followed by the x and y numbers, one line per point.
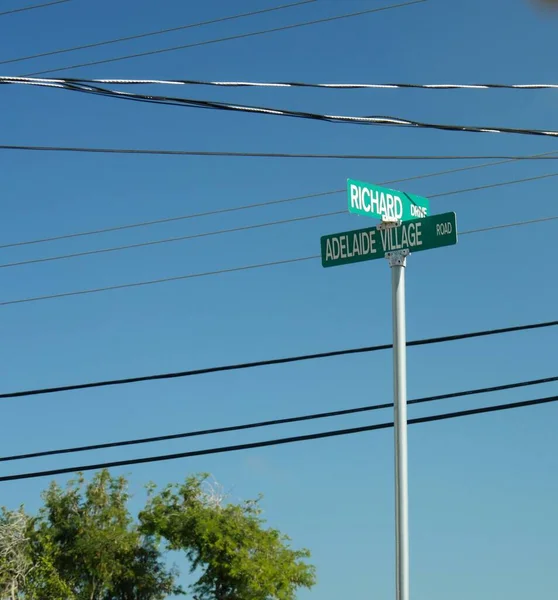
pixel 154 152
pixel 228 38
pixel 242 228
pixel 286 261
pixel 300 84
pixel 375 120
pixel 277 441
pixel 157 32
pixel 276 361
pixel 31 7
pixel 269 423
pixel 261 204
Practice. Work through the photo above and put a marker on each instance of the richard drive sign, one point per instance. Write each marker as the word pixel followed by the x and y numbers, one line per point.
pixel 374 201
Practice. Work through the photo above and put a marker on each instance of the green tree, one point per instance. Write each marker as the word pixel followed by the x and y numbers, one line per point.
pixel 238 557
pixel 44 581
pixel 90 547
pixel 146 577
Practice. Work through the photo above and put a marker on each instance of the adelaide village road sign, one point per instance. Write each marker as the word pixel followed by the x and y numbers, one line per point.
pixel 373 242
pixel 375 201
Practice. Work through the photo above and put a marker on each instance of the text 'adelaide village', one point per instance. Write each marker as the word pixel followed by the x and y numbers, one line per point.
pixel 372 242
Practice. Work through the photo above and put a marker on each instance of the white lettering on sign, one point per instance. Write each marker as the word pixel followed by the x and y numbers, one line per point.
pixel 382 210
pixel 372 235
pixel 345 250
pixel 444 229
pixel 356 246
pixel 359 243
pixel 365 206
pixel 406 236
pixel 418 211
pixel 374 201
pixel 355 200
pixel 332 249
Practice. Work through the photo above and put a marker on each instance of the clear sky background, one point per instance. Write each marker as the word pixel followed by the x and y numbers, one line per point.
pixel 483 489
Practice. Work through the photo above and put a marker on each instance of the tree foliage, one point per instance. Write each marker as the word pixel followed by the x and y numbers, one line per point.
pixel 15 563
pixel 238 557
pixel 85 545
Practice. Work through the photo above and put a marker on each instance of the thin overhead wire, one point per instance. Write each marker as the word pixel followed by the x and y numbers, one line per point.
pixel 228 38
pixel 154 152
pixel 157 32
pixel 179 238
pixel 277 441
pixel 273 422
pixel 156 281
pixel 331 86
pixel 215 272
pixel 507 225
pixel 268 203
pixel 375 120
pixel 275 361
pixel 31 7
pixel 489 186
pixel 167 220
pixel 244 228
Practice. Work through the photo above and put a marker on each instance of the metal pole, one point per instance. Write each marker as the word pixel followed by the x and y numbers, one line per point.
pixel 397 263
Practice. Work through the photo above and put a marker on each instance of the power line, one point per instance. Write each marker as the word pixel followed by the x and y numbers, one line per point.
pixel 221 271
pixel 273 202
pixel 156 281
pixel 269 423
pixel 242 228
pixel 179 238
pixel 275 361
pixel 166 220
pixel 229 38
pixel 508 158
pixel 332 86
pixel 155 152
pixel 517 224
pixel 495 185
pixel 374 120
pixel 278 441
pixel 31 7
pixel 154 33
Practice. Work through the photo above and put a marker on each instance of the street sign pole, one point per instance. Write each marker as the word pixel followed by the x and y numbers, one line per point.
pixel 406 227
pixel 397 262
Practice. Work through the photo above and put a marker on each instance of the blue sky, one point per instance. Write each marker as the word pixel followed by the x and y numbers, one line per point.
pixel 482 489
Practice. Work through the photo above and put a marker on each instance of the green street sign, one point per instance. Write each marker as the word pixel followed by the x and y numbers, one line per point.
pixel 375 201
pixel 370 243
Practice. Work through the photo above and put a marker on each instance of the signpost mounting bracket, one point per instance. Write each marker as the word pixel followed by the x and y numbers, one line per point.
pixel 397 258
pixel 389 222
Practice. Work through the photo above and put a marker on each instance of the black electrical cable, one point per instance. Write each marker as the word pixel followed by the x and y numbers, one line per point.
pixel 155 152
pixel 275 361
pixel 277 441
pixel 329 86
pixel 323 415
pixel 375 120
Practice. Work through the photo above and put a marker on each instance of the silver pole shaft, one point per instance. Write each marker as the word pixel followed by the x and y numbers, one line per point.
pixel 400 420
